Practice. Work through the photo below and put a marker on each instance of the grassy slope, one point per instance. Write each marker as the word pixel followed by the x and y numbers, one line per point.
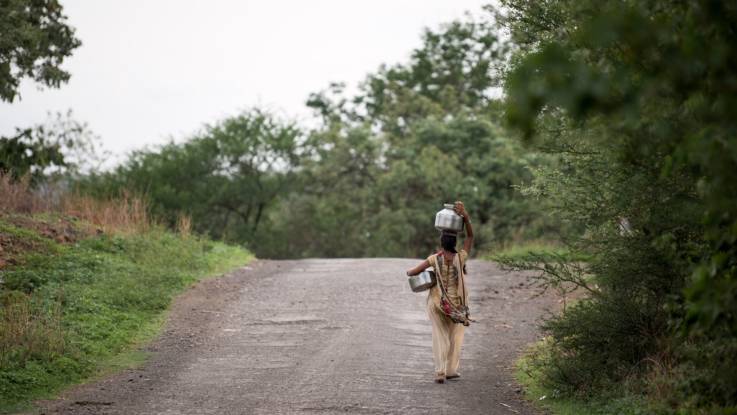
pixel 70 311
pixel 530 377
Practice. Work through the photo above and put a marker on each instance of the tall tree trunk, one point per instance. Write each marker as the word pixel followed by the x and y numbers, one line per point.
pixel 258 216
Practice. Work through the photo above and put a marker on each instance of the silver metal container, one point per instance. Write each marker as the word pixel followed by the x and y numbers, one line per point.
pixel 447 220
pixel 422 281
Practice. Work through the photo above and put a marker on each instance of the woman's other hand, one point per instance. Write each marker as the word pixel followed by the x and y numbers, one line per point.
pixel 418 269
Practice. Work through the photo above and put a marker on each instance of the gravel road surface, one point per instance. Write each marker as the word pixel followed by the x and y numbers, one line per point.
pixel 330 336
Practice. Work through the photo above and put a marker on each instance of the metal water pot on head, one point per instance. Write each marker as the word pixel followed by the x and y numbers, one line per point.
pixel 447 220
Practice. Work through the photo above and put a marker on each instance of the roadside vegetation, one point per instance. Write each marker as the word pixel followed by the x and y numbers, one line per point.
pixel 82 285
pixel 547 396
pixel 633 99
pixel 534 251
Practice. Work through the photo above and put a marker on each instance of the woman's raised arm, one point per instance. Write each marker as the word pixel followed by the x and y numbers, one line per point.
pixel 461 210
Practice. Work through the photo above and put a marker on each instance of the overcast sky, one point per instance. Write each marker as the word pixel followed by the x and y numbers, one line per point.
pixel 148 70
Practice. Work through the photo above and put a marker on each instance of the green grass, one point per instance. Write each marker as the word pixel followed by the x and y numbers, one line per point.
pixel 529 373
pixel 71 312
pixel 535 251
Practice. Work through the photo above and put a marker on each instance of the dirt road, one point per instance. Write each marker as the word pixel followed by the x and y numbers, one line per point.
pixel 322 336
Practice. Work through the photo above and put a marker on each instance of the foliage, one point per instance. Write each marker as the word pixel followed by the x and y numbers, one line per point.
pixel 368 180
pixel 636 98
pixel 388 195
pixel 536 252
pixel 224 178
pixel 25 154
pixel 35 41
pixel 430 127
pixel 69 309
pixel 415 135
pixel 453 72
pixel 60 146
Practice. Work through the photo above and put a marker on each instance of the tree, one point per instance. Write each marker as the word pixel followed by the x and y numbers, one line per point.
pixel 373 174
pixel 34 43
pixel 456 69
pixel 24 154
pixel 441 103
pixel 225 177
pixel 638 96
pixel 60 146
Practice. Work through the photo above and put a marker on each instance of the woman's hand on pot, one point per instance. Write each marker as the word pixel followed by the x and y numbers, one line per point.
pixel 460 209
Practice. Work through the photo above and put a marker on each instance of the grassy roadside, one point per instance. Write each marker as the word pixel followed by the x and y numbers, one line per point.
pixel 529 367
pixel 529 375
pixel 534 251
pixel 73 309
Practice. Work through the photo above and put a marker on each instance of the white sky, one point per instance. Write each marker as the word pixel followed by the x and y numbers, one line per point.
pixel 149 70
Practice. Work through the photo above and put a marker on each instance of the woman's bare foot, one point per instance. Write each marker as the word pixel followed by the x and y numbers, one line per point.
pixel 440 378
pixel 454 376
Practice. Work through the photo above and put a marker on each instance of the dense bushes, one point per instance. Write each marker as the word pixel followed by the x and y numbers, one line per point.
pixel 635 98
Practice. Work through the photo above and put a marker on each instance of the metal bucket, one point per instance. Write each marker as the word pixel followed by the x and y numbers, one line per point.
pixel 422 281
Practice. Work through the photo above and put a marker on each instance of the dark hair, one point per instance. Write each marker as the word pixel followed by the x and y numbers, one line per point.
pixel 448 242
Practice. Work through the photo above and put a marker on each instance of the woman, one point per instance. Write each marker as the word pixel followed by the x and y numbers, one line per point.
pixel 447 301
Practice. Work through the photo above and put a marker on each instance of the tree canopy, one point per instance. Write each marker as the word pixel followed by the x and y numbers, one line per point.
pixel 638 98
pixel 34 43
pixel 369 178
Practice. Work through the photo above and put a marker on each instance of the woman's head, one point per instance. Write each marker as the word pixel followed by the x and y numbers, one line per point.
pixel 448 242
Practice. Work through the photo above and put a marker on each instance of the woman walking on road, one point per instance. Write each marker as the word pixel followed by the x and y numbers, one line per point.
pixel 447 302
